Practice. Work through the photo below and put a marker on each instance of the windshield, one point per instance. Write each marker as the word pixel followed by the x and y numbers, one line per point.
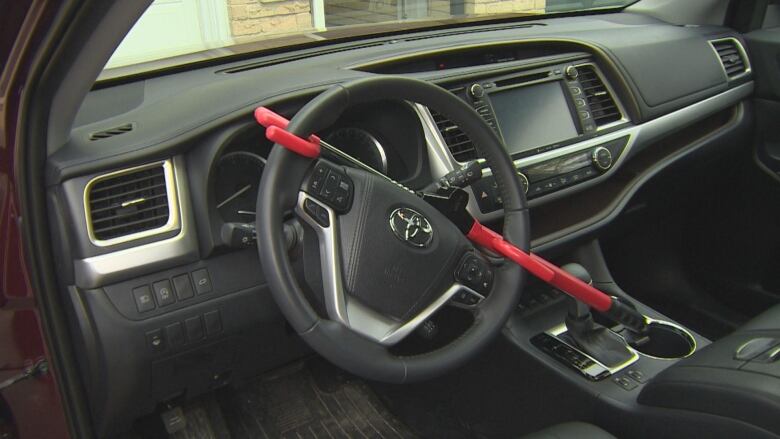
pixel 173 32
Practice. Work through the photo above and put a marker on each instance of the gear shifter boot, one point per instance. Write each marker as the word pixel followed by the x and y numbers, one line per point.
pixel 597 341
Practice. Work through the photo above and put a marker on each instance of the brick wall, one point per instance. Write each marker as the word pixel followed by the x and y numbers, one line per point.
pixel 251 18
pixel 248 18
pixel 504 6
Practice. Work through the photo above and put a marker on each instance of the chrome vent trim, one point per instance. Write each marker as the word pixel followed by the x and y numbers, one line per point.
pixel 132 204
pixel 733 57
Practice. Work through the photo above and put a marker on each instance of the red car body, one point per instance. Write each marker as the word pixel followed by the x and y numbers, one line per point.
pixel 31 408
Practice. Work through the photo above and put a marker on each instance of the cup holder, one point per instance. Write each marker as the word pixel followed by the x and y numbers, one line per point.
pixel 666 341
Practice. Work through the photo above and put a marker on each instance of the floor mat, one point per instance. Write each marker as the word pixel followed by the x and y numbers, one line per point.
pixel 308 400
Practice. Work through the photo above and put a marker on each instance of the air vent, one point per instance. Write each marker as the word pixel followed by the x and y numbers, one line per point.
pixel 131 204
pixel 732 57
pixel 603 107
pixel 116 131
pixel 457 141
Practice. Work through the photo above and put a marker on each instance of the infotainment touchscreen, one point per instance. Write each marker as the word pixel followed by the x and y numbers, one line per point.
pixel 532 116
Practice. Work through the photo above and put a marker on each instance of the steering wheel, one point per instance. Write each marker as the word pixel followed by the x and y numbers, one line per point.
pixel 389 260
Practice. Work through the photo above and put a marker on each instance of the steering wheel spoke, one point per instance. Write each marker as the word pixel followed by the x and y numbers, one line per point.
pixel 389 258
pixel 349 311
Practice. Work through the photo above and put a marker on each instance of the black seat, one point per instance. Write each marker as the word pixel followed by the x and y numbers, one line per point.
pixel 571 430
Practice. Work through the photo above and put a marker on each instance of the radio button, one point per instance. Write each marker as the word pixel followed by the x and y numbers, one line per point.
pixel 523 182
pixel 576 91
pixel 602 158
pixel 476 91
pixel 572 73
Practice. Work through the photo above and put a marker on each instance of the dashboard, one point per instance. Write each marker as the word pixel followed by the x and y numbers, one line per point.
pixel 154 194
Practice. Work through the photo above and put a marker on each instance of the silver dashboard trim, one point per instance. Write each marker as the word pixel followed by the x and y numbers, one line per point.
pixel 171 224
pixel 639 136
pixel 97 271
pixel 348 311
pixel 561 329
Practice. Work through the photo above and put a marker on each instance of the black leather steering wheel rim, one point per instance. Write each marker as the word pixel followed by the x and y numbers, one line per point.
pixel 282 177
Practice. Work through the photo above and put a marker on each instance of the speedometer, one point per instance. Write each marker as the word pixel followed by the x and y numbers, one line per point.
pixel 361 145
pixel 236 180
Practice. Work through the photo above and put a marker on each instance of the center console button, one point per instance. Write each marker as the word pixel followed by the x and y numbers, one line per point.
pixel 163 292
pixel 175 334
pixel 156 341
pixel 213 322
pixel 755 347
pixel 194 326
pixel 183 287
pixel 202 281
pixel 625 383
pixel 143 298
pixel 637 375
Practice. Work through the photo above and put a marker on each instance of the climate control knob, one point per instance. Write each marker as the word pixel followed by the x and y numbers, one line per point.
pixel 602 158
pixel 476 91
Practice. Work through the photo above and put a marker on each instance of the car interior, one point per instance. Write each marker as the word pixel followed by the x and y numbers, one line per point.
pixel 215 272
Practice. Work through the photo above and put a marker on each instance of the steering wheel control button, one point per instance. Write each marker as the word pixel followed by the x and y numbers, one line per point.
pixel 194 326
pixel 317 180
pixel 175 334
pixel 467 298
pixel 342 195
pixel 156 341
pixel 316 212
pixel 475 273
pixel 143 298
pixel 411 227
pixel 183 287
pixel 164 293
pixel 331 185
pixel 202 281
pixel 602 158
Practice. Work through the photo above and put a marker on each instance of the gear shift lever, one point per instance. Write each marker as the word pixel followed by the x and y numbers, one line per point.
pixel 594 339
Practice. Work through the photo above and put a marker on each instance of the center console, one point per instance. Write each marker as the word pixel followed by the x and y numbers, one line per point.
pixel 555 122
pixel 677 384
pixel 737 377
